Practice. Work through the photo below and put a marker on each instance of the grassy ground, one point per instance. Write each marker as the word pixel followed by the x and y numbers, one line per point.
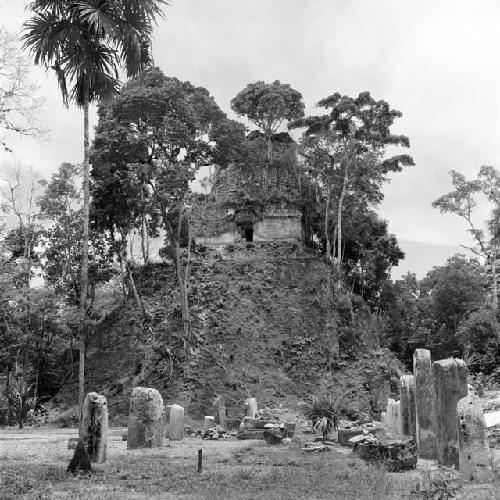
pixel 33 465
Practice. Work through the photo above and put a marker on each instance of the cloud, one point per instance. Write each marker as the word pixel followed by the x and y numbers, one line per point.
pixel 435 60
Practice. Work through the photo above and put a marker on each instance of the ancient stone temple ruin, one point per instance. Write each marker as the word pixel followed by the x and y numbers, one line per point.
pixel 243 225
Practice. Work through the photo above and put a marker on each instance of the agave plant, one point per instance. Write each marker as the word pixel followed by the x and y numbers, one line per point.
pixel 324 412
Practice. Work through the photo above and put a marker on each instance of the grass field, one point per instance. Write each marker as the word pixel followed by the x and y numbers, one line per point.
pixel 33 466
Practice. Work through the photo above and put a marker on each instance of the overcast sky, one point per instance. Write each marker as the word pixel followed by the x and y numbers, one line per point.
pixel 435 60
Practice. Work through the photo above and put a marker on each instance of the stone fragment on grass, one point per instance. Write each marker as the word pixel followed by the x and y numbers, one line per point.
pixel 95 426
pixel 176 427
pixel 146 419
pixel 474 451
pixel 450 384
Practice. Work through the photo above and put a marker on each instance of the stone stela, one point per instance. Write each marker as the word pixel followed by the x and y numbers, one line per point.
pixel 445 422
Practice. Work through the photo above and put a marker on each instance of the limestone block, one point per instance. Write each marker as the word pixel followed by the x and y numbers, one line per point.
pixel 208 424
pixel 251 407
pixel 146 419
pixel 425 404
pixel 220 411
pixel 474 451
pixel 167 419
pixel 396 415
pixel 94 430
pixel 383 419
pixel 176 429
pixel 389 414
pixel 407 405
pixel 450 385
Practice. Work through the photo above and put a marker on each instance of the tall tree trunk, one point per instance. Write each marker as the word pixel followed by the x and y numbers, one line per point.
pixel 85 252
pixel 144 240
pixel 327 224
pixel 339 216
pixel 494 276
pixel 175 253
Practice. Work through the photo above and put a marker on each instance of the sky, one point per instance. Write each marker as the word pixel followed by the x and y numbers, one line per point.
pixel 434 60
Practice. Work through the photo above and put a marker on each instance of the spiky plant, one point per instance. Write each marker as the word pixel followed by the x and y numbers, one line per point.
pixel 324 413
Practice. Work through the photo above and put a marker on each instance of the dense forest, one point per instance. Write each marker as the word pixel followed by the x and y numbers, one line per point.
pixel 153 138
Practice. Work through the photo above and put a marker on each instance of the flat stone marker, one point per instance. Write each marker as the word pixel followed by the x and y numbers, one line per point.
pixel 208 423
pixel 425 403
pixel 251 407
pixel 94 430
pixel 176 428
pixel 146 419
pixel 450 385
pixel 474 451
pixel 407 405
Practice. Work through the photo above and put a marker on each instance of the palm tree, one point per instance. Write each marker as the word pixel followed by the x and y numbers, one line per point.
pixel 86 43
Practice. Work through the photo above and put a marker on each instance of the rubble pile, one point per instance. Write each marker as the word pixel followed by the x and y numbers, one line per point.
pixel 315 447
pixel 347 430
pixel 215 433
pixel 396 455
pixel 273 431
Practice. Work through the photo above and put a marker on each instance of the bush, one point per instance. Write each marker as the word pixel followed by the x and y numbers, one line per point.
pixel 324 413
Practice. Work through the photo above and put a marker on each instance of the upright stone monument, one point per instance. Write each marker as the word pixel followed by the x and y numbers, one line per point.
pixel 425 404
pixel 474 451
pixel 407 405
pixel 208 424
pixel 176 428
pixel 389 415
pixel 396 415
pixel 450 384
pixel 251 407
pixel 220 411
pixel 146 419
pixel 167 419
pixel 94 431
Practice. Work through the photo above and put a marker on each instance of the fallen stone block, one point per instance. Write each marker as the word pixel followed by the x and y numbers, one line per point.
pixel 344 435
pixel 396 455
pixel 316 447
